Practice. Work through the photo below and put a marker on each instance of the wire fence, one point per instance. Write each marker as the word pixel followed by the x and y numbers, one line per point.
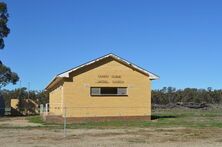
pixel 77 111
pixel 66 111
pixel 93 112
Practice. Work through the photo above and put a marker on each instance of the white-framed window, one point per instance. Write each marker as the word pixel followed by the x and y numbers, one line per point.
pixel 108 91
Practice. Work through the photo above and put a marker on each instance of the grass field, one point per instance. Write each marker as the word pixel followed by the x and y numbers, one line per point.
pixel 168 128
pixel 161 118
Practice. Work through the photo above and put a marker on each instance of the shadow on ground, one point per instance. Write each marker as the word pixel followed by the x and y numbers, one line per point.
pixel 154 117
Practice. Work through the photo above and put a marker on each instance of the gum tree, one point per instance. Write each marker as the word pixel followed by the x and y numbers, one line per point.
pixel 6 75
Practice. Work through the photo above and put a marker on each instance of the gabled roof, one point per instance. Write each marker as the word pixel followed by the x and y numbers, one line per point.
pixel 65 74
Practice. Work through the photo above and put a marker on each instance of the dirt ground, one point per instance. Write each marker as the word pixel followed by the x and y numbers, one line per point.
pixel 31 136
pixel 16 122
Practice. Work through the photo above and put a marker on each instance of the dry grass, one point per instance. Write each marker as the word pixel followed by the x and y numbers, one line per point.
pixel 171 128
pixel 112 137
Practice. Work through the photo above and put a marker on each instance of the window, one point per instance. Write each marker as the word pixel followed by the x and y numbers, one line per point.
pixel 95 91
pixel 108 91
pixel 121 91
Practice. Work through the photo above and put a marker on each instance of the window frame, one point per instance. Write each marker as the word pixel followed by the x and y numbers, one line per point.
pixel 104 95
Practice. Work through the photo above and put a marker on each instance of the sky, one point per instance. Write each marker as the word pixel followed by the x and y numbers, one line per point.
pixel 181 41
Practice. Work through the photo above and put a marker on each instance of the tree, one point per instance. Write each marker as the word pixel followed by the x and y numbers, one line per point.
pixel 6 75
pixel 170 95
pixel 4 30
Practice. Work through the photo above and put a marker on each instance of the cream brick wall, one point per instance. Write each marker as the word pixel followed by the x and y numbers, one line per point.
pixel 56 101
pixel 80 103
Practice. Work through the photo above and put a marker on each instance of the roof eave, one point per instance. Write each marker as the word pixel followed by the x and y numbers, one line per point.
pixel 53 82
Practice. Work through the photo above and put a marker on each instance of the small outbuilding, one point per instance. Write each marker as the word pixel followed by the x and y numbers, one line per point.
pixel 27 107
pixel 106 88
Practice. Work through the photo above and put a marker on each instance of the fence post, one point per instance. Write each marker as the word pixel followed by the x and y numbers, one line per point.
pixel 46 108
pixel 64 121
pixel 41 108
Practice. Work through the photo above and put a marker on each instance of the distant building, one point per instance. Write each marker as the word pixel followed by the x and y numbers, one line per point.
pixel 28 107
pixel 105 88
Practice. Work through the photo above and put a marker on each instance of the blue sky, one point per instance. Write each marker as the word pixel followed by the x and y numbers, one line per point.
pixel 181 41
